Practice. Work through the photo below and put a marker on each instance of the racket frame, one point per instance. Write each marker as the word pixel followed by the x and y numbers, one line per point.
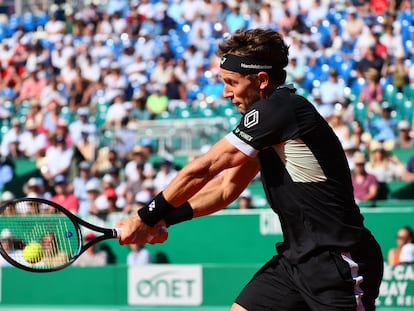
pixel 77 222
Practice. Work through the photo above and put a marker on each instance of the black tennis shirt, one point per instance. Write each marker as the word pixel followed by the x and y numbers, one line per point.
pixel 304 172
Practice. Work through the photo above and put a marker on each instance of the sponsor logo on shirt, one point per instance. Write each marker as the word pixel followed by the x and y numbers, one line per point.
pixel 251 118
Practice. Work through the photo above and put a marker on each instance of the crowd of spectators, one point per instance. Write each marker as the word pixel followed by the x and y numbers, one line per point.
pixel 81 71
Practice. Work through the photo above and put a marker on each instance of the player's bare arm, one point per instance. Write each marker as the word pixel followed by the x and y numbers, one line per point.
pixel 219 192
pixel 205 172
pixel 237 171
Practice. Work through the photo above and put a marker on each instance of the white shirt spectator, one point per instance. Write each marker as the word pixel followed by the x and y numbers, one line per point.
pixel 32 143
pixel 139 255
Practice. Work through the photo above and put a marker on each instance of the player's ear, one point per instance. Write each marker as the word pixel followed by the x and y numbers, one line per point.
pixel 263 80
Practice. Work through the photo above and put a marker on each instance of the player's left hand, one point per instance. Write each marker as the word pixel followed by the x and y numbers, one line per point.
pixel 135 231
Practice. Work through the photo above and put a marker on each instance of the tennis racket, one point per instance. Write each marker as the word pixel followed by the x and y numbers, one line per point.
pixel 41 236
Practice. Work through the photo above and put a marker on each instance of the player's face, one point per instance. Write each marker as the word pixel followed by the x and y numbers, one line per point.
pixel 243 92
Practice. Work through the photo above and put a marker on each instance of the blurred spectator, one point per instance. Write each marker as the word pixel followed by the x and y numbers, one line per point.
pixel 392 39
pixel 404 139
pixel 382 164
pixel 142 197
pixel 365 184
pixel 52 116
pixel 383 127
pixel 357 136
pixel 408 172
pixel 404 235
pixel 6 171
pixel 113 179
pixel 157 101
pixel 138 255
pixel 133 173
pixel 369 60
pixel 353 26
pixel 35 187
pixel 54 29
pixel 92 256
pixel 107 159
pixel 139 110
pixel 407 253
pixel 78 186
pixel 12 136
pixel 82 129
pixel 32 142
pixel 165 174
pixel 349 149
pixel 332 90
pixel 57 159
pixel 52 93
pixel 295 72
pixel 397 70
pixel 161 74
pixel 115 82
pixel 372 92
pixel 325 110
pixel 6 196
pixel 32 87
pixel 116 112
pixel 63 196
pixel 340 128
pixel 245 200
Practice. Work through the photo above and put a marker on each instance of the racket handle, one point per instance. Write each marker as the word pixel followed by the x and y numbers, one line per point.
pixel 117 232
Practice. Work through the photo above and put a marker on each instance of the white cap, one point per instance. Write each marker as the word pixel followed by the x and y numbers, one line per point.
pixel 93 185
pixel 108 179
pixel 246 194
pixel 143 197
pixel 7 196
pixel 6 234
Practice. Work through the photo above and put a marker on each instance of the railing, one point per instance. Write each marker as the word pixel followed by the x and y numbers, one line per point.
pixel 174 136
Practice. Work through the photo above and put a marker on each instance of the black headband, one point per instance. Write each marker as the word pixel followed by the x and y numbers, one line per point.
pixel 246 65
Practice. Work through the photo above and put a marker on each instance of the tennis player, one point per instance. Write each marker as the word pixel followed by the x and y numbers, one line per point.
pixel 328 259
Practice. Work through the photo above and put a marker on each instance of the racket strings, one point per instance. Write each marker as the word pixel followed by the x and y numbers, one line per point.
pixel 37 235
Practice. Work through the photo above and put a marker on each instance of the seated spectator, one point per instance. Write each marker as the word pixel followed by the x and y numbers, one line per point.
pixel 325 110
pixel 35 187
pixel 332 90
pixel 365 184
pixel 92 256
pixel 339 126
pixel 57 159
pixel 138 255
pixel 245 200
pixel 6 171
pixel 408 172
pixel 404 139
pixel 157 101
pixel 384 126
pixel 407 254
pixel 404 235
pixel 165 174
pixel 32 142
pixel 372 93
pixel 63 196
pixel 12 136
pixel 78 186
pixel 382 164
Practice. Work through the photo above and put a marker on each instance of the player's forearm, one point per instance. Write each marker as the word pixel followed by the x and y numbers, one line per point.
pixel 187 182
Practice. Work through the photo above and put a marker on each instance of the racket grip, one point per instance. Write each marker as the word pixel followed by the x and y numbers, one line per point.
pixel 117 232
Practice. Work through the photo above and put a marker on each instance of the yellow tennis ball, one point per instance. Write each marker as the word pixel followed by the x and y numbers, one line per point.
pixel 33 253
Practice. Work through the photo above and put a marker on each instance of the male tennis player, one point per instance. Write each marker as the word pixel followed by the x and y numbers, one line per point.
pixel 328 259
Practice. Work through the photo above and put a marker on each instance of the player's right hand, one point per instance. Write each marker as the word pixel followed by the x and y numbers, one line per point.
pixel 135 231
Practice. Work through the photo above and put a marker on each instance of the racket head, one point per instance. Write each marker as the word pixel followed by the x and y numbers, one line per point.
pixel 38 235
